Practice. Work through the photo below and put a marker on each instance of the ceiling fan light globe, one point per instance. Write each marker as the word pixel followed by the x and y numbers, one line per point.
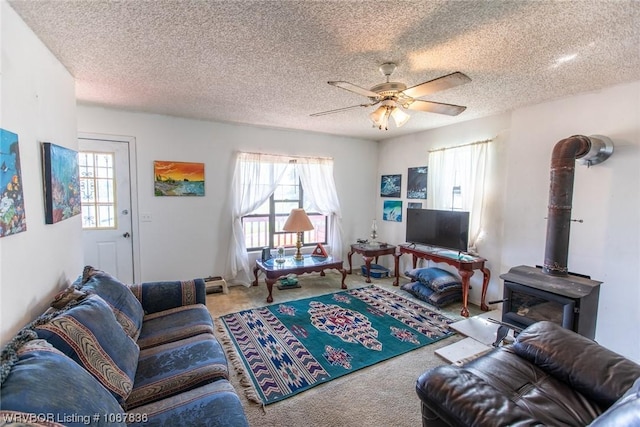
pixel 378 115
pixel 400 117
pixel 384 123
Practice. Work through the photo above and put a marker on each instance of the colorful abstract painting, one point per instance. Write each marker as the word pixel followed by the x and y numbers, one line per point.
pixel 12 218
pixel 61 183
pixel 392 210
pixel 417 183
pixel 178 178
pixel 390 185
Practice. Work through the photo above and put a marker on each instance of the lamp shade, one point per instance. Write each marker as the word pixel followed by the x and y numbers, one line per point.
pixel 298 221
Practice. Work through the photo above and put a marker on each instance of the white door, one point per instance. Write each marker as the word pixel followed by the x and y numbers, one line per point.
pixel 105 186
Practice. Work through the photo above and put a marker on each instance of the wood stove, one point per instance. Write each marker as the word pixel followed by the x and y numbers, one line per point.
pixel 550 292
pixel 531 296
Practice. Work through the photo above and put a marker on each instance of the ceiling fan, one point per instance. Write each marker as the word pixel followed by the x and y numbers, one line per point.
pixel 393 97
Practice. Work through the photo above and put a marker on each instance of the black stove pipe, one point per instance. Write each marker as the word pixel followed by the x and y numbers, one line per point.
pixel 563 161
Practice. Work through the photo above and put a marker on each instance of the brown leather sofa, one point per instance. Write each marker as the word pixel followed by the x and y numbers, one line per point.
pixel 548 376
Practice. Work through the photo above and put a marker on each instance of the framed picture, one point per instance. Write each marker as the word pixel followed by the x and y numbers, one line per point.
pixel 61 183
pixel 417 183
pixel 390 185
pixel 12 218
pixel 178 178
pixel 392 210
pixel 414 205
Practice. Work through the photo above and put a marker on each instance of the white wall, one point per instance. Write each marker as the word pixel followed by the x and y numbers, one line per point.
pixel 605 246
pixel 188 236
pixel 38 104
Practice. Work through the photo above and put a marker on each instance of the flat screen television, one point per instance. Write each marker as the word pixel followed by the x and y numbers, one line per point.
pixel 445 229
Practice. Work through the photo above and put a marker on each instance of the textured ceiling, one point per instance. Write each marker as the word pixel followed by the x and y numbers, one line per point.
pixel 267 63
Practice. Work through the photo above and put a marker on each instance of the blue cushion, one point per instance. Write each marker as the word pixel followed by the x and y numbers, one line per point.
pixel 90 335
pixel 160 296
pixel 175 324
pixel 178 366
pixel 45 381
pixel 212 405
pixel 435 278
pixel 428 295
pixel 125 305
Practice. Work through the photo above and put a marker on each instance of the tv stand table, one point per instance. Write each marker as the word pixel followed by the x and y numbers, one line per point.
pixel 465 264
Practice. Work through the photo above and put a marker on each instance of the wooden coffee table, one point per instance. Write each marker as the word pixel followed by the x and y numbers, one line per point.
pixel 309 264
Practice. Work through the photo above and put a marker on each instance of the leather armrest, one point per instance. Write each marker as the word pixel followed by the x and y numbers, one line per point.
pixel 462 399
pixel 593 370
pixel 625 412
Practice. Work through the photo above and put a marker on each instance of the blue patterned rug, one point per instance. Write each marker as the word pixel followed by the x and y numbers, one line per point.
pixel 290 347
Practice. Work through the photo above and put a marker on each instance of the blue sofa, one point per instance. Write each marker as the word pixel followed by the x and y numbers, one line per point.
pixel 109 354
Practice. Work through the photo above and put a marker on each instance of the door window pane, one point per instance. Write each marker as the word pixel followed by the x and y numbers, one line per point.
pixel 97 186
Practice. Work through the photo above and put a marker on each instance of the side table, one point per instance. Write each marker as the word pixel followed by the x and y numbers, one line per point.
pixel 371 252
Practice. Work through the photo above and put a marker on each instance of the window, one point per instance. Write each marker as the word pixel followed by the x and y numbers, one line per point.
pixel 97 189
pixel 263 227
pixel 264 188
pixel 456 182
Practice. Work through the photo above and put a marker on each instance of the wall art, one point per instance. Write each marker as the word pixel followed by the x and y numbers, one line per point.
pixel 390 185
pixel 417 183
pixel 12 217
pixel 178 178
pixel 61 183
pixel 414 205
pixel 392 210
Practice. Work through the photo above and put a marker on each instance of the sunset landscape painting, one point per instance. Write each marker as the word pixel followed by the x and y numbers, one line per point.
pixel 178 178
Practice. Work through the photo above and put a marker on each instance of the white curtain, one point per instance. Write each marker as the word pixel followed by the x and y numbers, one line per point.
pixel 255 178
pixel 316 176
pixel 462 167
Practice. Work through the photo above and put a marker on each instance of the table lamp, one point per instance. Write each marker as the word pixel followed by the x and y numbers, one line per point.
pixel 298 222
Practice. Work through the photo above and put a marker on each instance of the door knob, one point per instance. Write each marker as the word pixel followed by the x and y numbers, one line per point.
pixel 126 235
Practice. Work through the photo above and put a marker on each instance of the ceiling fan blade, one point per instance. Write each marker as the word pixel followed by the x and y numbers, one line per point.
pixel 341 109
pixel 355 89
pixel 436 107
pixel 436 85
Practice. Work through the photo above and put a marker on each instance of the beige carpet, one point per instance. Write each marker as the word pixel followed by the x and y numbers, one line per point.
pixel 380 395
